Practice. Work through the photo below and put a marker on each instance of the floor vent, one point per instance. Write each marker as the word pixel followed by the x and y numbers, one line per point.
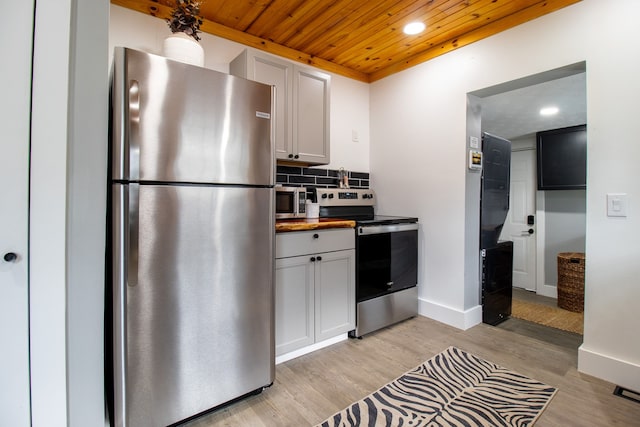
pixel 627 394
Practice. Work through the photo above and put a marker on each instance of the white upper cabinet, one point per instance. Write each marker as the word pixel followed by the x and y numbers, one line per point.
pixel 310 116
pixel 301 105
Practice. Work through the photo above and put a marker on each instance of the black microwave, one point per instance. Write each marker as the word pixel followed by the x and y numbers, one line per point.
pixel 290 202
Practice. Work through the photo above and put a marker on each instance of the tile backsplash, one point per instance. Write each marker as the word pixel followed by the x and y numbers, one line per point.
pixel 315 177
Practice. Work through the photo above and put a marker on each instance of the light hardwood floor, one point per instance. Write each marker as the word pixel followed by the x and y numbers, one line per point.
pixel 313 387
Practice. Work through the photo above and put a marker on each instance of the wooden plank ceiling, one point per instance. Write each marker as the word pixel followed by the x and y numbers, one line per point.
pixel 360 39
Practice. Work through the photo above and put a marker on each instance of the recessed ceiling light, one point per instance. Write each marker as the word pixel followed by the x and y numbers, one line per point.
pixel 414 28
pixel 549 111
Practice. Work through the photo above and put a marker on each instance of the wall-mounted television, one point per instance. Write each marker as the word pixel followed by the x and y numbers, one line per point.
pixel 562 158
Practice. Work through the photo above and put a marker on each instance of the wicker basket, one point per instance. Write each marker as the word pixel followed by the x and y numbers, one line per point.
pixel 571 281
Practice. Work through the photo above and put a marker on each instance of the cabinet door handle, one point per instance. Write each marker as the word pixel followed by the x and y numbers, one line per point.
pixel 319 258
pixel 291 156
pixel 296 156
pixel 316 235
pixel 313 259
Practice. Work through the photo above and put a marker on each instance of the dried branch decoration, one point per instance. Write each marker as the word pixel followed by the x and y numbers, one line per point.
pixel 185 18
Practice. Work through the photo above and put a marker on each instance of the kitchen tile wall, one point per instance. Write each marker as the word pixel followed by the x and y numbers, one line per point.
pixel 315 177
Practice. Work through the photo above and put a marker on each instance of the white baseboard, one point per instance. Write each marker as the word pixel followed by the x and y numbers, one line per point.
pixel 450 316
pixel 548 291
pixel 311 348
pixel 616 371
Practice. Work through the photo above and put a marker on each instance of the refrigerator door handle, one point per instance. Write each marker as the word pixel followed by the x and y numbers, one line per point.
pixel 132 212
pixel 125 273
pixel 120 252
pixel 134 130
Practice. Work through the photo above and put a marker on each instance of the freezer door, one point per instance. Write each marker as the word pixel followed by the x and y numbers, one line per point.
pixel 174 122
pixel 193 300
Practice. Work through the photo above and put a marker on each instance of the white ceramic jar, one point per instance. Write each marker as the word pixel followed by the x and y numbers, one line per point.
pixel 184 48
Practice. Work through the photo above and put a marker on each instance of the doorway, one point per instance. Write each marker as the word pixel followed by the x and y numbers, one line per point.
pixel 538 221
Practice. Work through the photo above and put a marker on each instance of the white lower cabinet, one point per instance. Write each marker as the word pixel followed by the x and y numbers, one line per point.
pixel 294 304
pixel 335 299
pixel 315 291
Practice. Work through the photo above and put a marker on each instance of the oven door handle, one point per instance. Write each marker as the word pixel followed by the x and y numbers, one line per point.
pixel 380 229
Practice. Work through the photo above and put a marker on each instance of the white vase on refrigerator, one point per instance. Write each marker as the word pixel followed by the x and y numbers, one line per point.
pixel 184 48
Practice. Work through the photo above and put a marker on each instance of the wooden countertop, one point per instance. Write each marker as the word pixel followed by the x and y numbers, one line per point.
pixel 302 224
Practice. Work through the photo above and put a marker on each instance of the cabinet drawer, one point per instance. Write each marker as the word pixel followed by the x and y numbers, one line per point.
pixel 313 242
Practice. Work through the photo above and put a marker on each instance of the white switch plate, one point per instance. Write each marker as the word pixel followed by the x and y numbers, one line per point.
pixel 354 136
pixel 617 204
pixel 473 141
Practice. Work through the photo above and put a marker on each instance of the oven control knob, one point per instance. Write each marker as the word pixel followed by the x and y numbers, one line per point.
pixel 331 196
pixel 324 196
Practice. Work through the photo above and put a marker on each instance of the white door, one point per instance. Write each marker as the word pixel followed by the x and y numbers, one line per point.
pixel 522 204
pixel 17 19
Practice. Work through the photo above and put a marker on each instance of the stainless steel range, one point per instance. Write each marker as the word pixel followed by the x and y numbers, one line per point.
pixel 386 258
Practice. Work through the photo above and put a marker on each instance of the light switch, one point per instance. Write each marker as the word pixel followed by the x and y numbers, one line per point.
pixel 617 204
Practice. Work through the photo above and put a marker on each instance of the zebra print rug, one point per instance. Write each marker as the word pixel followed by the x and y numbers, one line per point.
pixel 453 388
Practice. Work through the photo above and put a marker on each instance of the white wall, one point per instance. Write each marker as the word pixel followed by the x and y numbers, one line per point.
pixel 565 224
pixel 349 98
pixel 418 144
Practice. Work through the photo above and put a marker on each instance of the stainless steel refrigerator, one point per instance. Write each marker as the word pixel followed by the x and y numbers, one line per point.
pixel 192 226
